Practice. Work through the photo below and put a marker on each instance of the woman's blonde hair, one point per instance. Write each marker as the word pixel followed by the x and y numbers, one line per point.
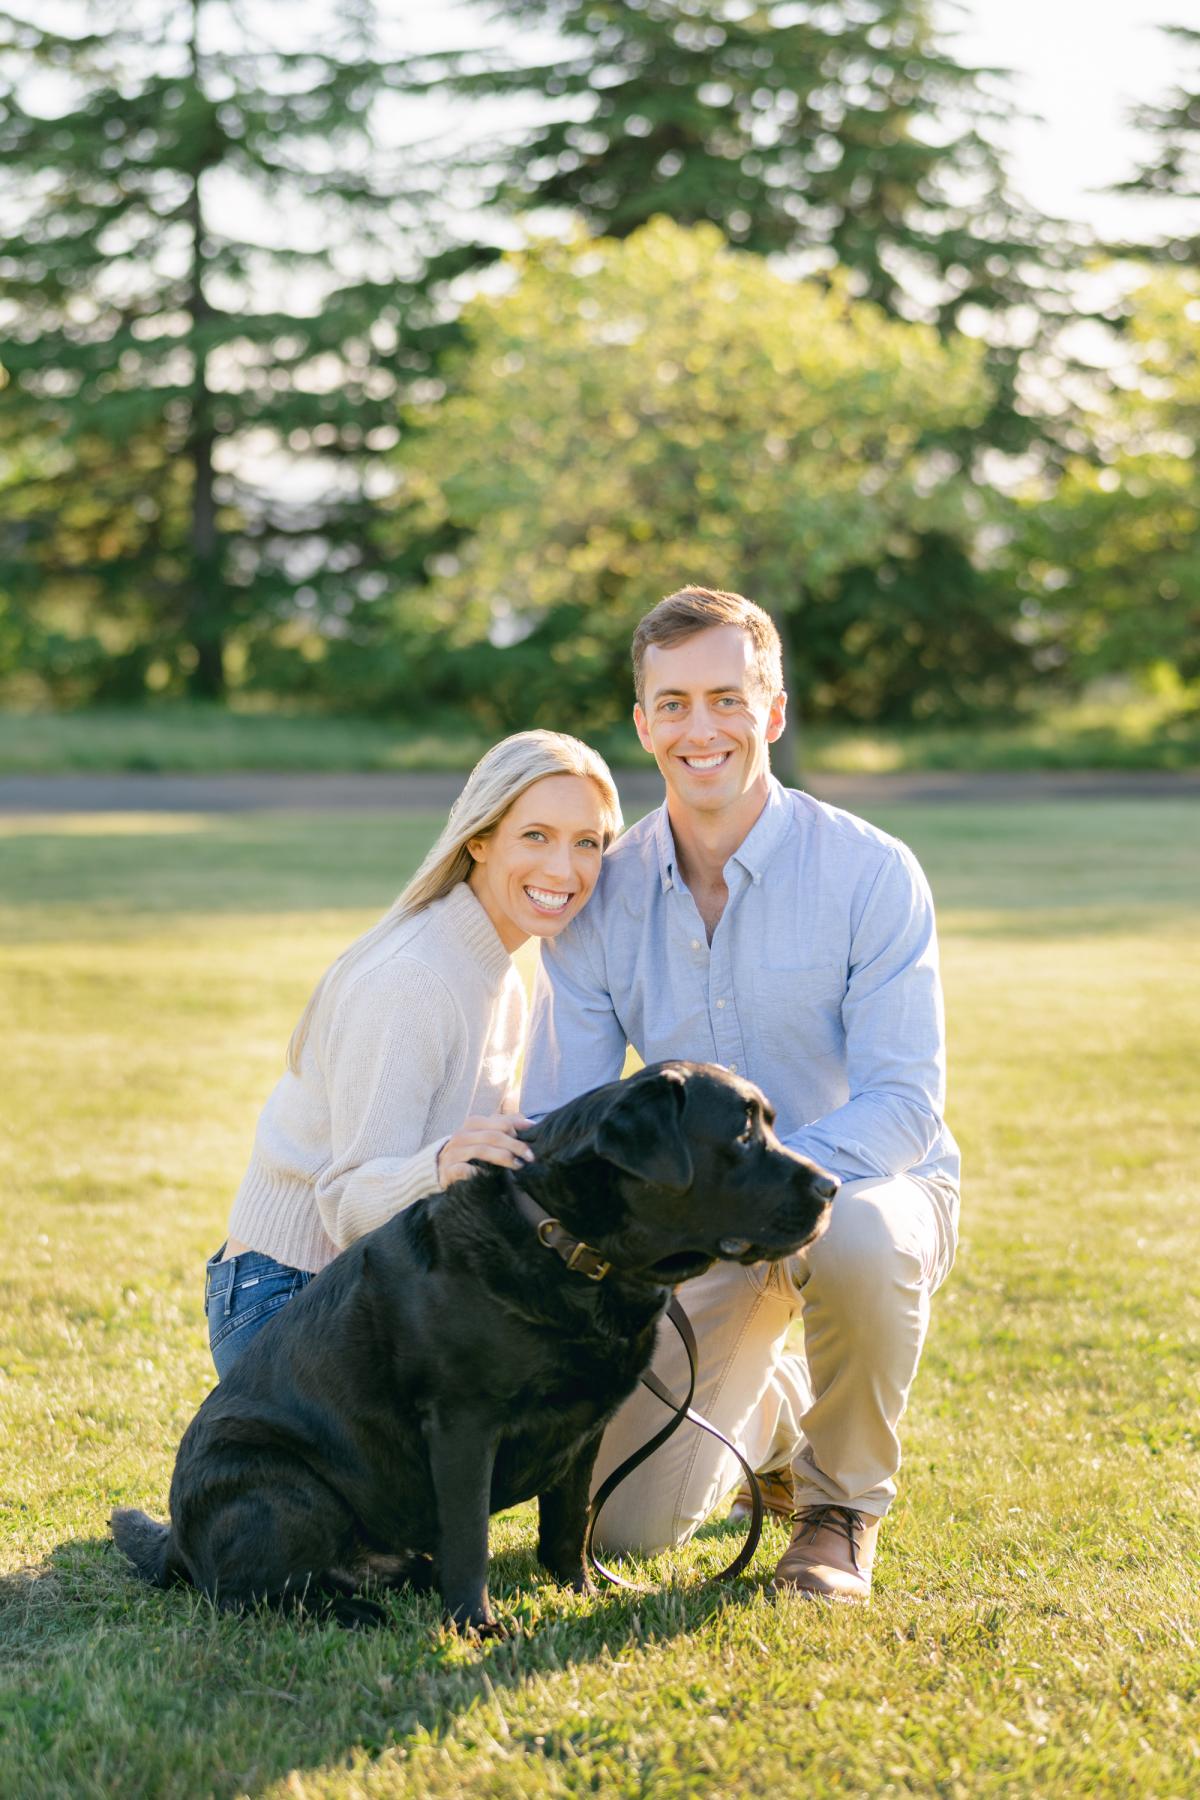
pixel 498 779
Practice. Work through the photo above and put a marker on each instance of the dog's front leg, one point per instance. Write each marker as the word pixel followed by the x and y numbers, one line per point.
pixel 562 1518
pixel 461 1453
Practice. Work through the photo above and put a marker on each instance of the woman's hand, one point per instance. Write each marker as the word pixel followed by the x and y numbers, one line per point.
pixel 479 1140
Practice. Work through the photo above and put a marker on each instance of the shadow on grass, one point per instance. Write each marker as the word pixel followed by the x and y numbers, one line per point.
pixel 168 1696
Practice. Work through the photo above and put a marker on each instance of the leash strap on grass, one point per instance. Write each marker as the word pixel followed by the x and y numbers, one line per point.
pixel 681 1409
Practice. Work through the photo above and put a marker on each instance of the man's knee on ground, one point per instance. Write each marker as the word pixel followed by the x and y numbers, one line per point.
pixel 630 1530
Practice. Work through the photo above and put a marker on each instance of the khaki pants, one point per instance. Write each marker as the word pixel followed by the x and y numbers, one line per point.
pixel 831 1412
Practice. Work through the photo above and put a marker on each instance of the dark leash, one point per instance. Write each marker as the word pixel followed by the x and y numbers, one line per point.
pixel 584 1260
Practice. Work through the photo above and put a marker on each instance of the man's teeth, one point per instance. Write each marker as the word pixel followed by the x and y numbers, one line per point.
pixel 706 762
pixel 540 897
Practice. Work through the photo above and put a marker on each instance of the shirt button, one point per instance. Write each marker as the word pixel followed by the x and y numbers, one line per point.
pixel 732 1068
pixel 720 1005
pixel 695 943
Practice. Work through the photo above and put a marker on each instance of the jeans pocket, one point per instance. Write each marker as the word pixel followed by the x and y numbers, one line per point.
pixel 249 1316
pixel 242 1294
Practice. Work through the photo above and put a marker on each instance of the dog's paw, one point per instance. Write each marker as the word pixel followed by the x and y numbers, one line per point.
pixel 578 1580
pixel 473 1616
pixel 488 1628
pixel 475 1624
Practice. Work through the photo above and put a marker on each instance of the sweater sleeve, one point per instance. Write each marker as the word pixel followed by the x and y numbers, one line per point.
pixel 394 1047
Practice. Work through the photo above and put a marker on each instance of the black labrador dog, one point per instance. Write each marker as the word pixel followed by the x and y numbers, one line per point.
pixel 465 1356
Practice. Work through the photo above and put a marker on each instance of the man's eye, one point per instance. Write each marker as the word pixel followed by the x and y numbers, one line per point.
pixel 589 843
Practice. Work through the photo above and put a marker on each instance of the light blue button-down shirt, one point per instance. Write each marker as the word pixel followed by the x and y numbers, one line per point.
pixel 820 984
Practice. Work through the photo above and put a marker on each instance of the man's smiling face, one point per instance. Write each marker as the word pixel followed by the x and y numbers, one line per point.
pixel 707 720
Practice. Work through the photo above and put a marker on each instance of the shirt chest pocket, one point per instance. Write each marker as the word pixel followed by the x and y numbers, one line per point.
pixel 798 1012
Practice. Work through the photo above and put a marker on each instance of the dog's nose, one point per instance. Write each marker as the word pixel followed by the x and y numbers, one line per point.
pixel 826 1186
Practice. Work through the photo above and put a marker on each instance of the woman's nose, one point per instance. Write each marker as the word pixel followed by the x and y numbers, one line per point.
pixel 557 860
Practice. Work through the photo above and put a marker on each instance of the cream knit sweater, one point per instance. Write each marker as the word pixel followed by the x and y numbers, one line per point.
pixel 425 1031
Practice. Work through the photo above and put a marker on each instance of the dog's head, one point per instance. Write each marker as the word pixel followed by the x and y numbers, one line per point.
pixel 675 1169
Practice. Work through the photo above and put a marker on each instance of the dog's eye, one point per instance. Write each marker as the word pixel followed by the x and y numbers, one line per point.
pixel 746 1135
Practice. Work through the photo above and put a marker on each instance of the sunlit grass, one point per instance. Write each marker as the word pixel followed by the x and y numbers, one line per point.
pixel 1035 1630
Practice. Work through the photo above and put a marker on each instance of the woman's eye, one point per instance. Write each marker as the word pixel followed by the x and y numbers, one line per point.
pixel 537 837
pixel 589 844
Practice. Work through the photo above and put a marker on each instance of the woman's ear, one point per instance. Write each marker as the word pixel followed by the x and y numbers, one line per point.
pixel 477 849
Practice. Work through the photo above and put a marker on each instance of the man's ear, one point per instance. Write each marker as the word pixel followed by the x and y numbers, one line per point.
pixel 642 729
pixel 643 1131
pixel 776 718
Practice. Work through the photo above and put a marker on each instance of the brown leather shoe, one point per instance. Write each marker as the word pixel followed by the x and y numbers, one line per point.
pixel 830 1555
pixel 778 1494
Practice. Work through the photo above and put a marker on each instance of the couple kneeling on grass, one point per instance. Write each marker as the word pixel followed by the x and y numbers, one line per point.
pixel 742 923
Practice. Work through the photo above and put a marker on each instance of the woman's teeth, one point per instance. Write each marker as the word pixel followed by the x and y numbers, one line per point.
pixel 547 901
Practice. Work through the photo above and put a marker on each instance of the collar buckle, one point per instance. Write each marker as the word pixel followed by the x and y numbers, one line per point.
pixel 574 1258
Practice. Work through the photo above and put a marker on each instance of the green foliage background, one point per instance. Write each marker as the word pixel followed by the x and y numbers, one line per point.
pixel 259 434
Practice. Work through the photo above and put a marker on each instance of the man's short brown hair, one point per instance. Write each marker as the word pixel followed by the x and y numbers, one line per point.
pixel 681 615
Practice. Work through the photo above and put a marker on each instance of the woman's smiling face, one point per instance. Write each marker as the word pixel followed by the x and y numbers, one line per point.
pixel 535 871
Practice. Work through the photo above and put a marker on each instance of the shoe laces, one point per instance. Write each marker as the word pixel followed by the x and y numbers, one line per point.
pixel 812 1519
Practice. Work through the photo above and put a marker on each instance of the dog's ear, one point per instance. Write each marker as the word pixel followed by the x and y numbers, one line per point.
pixel 643 1131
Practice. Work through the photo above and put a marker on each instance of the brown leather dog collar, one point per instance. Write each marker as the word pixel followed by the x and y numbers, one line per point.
pixel 578 1256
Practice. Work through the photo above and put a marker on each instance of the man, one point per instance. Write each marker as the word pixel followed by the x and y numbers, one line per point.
pixel 747 924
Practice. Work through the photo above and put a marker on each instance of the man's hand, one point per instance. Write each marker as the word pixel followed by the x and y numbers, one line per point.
pixel 479 1140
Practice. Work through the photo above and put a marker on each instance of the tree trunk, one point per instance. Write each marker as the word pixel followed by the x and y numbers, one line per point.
pixel 204 621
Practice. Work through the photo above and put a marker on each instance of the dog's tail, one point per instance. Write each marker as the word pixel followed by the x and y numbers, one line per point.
pixel 149 1546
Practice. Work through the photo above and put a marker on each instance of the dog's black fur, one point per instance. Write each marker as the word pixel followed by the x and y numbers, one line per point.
pixel 449 1365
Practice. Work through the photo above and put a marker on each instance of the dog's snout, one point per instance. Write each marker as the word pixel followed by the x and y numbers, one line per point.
pixel 825 1186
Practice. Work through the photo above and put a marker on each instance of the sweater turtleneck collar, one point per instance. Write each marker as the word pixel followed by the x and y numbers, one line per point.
pixel 469 923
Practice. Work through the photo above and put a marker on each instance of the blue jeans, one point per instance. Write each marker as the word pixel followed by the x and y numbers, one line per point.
pixel 240 1296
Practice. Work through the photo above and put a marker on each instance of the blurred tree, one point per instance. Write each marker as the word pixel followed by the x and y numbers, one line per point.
pixel 844 130
pixel 843 135
pixel 1111 562
pixel 1172 169
pixel 633 415
pixel 166 370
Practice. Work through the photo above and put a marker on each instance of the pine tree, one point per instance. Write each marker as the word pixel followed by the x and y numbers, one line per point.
pixel 842 131
pixel 206 279
pixel 1172 170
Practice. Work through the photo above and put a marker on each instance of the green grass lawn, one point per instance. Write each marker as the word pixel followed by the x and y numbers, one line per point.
pixel 1138 733
pixel 1036 1624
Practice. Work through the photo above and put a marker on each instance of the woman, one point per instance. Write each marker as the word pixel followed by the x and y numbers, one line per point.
pixel 401 1071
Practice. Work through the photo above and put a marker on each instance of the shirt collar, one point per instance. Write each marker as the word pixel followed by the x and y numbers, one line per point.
pixel 753 853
